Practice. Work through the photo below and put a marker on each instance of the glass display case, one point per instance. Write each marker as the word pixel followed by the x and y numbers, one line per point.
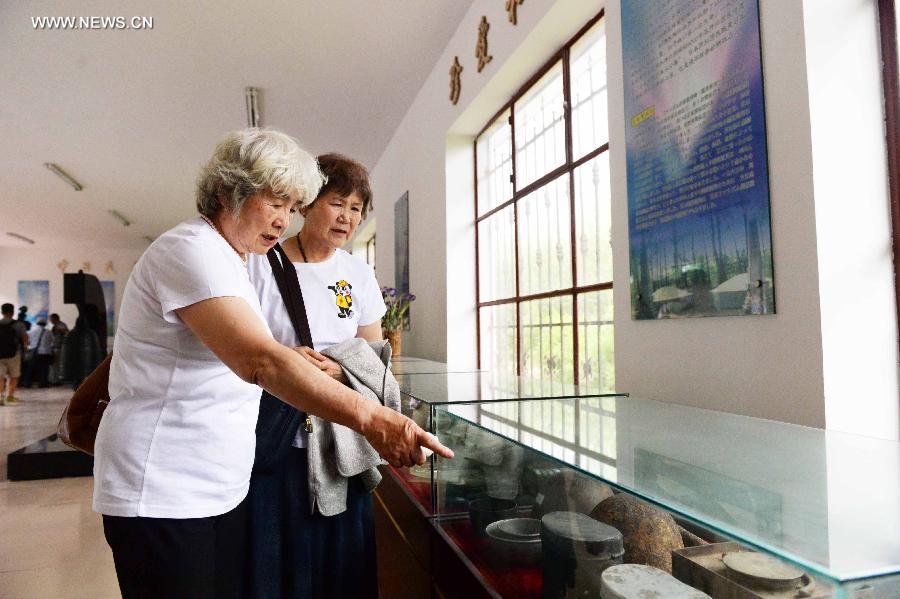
pixel 422 394
pixel 617 496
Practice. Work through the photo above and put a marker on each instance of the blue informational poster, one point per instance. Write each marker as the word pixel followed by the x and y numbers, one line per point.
pixel 109 297
pixel 35 295
pixel 698 184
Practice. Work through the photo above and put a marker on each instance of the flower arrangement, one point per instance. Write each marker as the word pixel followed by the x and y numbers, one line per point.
pixel 397 307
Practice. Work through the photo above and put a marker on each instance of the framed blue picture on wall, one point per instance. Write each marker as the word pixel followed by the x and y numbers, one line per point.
pixel 35 295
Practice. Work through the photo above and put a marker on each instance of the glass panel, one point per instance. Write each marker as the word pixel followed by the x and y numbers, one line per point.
pixel 824 501
pixel 498 342
pixel 545 246
pixel 593 226
pixel 547 342
pixel 590 127
pixel 596 368
pixel 477 386
pixel 496 256
pixel 420 366
pixel 540 128
pixel 494 159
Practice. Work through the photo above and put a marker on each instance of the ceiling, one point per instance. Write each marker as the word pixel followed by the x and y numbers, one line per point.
pixel 132 114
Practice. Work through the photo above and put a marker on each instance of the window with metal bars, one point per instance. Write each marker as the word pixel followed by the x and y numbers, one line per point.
pixel 542 214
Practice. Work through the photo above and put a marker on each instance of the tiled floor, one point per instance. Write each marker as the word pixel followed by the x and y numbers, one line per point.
pixel 51 543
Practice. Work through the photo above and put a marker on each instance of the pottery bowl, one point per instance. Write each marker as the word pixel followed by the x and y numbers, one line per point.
pixel 520 548
pixel 485 510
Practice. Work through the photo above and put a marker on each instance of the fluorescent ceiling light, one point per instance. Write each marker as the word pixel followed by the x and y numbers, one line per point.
pixel 22 237
pixel 251 95
pixel 56 170
pixel 120 217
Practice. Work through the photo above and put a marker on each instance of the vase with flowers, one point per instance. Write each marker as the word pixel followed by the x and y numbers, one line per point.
pixel 397 305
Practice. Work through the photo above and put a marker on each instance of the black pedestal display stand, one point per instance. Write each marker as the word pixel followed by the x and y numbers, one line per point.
pixel 47 458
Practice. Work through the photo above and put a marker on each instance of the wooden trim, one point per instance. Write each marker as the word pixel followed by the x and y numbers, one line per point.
pixel 546 294
pixel 512 176
pixel 573 244
pixel 587 27
pixel 477 250
pixel 493 120
pixel 590 156
pixel 887 17
pixel 494 210
pixel 543 180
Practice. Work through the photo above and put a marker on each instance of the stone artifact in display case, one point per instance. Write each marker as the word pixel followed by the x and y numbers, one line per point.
pixel 650 533
pixel 633 581
pixel 577 549
pixel 750 575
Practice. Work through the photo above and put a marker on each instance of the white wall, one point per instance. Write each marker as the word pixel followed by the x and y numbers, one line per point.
pixel 853 222
pixel 35 263
pixel 782 366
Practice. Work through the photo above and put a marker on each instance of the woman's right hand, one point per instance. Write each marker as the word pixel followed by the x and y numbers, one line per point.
pixel 228 327
pixel 395 437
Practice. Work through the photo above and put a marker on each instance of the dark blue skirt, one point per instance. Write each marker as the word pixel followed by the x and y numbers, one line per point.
pixel 294 554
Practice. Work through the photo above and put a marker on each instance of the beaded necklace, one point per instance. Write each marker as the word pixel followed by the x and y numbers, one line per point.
pixel 216 229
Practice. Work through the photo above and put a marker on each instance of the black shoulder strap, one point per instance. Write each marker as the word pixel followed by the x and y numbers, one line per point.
pixel 289 286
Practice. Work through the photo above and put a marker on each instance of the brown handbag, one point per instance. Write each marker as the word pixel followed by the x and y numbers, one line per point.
pixel 81 417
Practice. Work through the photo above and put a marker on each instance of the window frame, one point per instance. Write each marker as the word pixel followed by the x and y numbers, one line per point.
pixel 370 251
pixel 568 168
pixel 887 18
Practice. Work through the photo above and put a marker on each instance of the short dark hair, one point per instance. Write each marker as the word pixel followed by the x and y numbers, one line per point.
pixel 7 309
pixel 54 315
pixel 345 176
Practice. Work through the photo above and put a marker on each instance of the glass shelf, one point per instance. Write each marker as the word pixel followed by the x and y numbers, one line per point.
pixel 422 393
pixel 407 365
pixel 825 501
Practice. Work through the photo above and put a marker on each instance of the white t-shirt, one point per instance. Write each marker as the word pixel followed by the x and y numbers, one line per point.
pixel 340 295
pixel 177 439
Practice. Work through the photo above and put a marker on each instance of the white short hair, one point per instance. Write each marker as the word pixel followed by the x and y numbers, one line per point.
pixel 250 161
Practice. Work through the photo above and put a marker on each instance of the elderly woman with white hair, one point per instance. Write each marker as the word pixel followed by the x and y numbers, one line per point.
pixel 175 447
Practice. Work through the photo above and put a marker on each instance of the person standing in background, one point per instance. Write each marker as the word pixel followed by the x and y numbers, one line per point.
pixel 43 356
pixel 59 331
pixel 36 335
pixel 59 328
pixel 13 339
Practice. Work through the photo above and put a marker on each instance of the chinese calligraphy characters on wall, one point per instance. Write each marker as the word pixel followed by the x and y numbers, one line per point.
pixel 455 84
pixel 512 8
pixel 481 46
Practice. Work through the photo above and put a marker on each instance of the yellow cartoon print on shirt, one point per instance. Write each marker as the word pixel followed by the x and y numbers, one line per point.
pixel 343 298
